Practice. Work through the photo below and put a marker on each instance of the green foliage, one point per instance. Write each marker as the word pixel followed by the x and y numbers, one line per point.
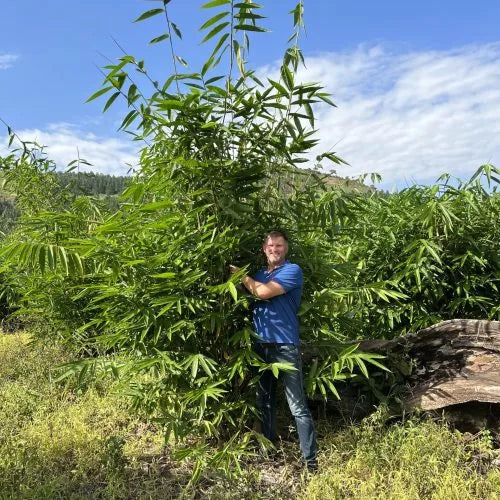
pixel 30 175
pixel 52 217
pixel 148 281
pixel 81 183
pixel 434 247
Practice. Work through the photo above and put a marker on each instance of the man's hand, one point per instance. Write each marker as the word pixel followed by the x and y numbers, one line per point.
pixel 233 269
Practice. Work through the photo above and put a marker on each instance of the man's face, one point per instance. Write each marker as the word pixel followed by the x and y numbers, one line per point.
pixel 275 249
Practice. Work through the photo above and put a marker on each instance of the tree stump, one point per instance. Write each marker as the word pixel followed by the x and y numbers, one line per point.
pixel 450 363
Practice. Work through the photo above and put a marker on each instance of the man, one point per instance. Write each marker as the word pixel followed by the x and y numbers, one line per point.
pixel 279 288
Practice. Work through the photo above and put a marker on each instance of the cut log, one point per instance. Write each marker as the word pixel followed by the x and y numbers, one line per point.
pixel 453 362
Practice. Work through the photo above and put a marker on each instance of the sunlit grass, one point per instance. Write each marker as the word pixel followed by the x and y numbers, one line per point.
pixel 60 442
pixel 55 442
pixel 411 460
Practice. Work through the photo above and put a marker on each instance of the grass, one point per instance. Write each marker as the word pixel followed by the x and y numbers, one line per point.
pixel 60 442
pixel 411 460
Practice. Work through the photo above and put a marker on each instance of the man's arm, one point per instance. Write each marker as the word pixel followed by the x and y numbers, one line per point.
pixel 263 291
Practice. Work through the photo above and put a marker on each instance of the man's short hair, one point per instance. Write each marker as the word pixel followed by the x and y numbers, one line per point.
pixel 275 234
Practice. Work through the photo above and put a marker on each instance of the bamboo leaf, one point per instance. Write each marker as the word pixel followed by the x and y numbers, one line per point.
pixel 213 20
pixel 214 31
pixel 215 3
pixel 131 95
pixel 362 366
pixel 194 366
pixel 371 358
pixel 148 14
pixel 41 258
pixel 247 5
pixel 160 38
pixel 110 101
pixel 167 104
pixel 213 79
pixel 182 61
pixel 63 258
pixel 219 45
pixel 205 365
pixel 332 388
pixel 128 120
pixel 233 291
pixel 99 93
pixel 51 256
pixel 287 76
pixel 239 59
pixel 176 29
pixel 156 205
pixel 282 91
pixel 248 15
pixel 250 27
pixel 166 275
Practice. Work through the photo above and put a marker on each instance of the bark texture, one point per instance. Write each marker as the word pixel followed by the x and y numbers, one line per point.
pixel 452 362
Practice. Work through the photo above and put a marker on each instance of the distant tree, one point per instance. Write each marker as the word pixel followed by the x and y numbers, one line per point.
pixel 90 183
pixel 9 213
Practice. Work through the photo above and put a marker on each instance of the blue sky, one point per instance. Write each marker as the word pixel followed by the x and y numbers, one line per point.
pixel 417 84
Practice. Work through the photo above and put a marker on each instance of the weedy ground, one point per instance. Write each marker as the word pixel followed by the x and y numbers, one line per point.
pixel 57 441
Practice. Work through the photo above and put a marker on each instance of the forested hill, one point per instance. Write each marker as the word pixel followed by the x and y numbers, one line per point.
pixel 78 183
pixel 91 183
pixel 95 184
pixel 82 183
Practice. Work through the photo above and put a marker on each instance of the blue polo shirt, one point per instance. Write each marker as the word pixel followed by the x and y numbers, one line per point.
pixel 276 320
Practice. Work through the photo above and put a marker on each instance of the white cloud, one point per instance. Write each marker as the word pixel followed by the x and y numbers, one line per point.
pixel 64 142
pixel 7 60
pixel 410 116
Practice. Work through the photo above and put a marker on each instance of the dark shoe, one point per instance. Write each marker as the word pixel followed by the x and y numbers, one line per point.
pixel 312 467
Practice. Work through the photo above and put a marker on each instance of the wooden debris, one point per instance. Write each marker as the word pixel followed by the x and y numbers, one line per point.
pixel 452 362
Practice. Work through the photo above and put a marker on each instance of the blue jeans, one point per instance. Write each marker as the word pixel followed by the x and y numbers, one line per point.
pixel 295 395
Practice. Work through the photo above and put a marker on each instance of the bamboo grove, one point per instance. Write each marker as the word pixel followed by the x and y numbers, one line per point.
pixel 141 292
